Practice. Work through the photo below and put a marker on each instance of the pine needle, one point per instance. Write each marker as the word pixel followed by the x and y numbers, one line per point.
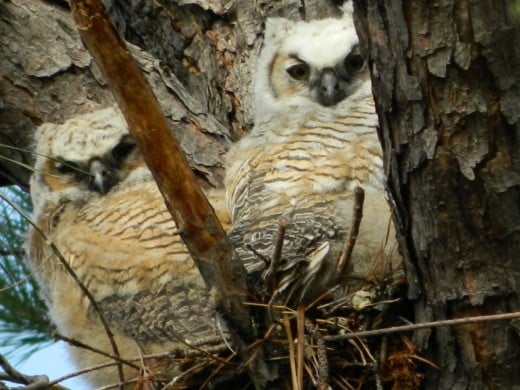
pixel 24 325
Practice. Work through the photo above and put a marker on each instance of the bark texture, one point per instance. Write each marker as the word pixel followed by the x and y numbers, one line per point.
pixel 193 215
pixel 199 57
pixel 446 81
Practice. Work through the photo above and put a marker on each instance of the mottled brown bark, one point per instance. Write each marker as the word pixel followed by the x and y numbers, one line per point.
pixel 199 227
pixel 447 87
pixel 198 56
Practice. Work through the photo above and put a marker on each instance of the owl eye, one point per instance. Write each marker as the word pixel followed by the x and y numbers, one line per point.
pixel 66 167
pixel 299 71
pixel 123 149
pixel 354 62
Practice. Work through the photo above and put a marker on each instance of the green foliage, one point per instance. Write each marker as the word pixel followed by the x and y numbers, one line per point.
pixel 23 321
pixel 515 11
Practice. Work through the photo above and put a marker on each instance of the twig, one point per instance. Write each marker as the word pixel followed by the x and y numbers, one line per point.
pixel 109 364
pixel 206 383
pixel 31 168
pixel 275 259
pixel 424 325
pixel 171 384
pixel 350 241
pixel 32 382
pixel 270 274
pixel 300 328
pixel 200 229
pixel 380 362
pixel 79 344
pixel 92 369
pixel 292 358
pixel 77 280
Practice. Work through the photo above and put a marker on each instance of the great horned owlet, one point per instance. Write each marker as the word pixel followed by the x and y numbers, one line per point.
pixel 96 201
pixel 314 140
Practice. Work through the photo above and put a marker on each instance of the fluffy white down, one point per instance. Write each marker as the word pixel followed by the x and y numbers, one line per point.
pixel 282 36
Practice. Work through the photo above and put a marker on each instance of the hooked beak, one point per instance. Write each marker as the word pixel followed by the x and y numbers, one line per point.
pixel 102 178
pixel 330 89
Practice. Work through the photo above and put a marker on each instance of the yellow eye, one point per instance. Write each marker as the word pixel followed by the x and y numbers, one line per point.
pixel 300 72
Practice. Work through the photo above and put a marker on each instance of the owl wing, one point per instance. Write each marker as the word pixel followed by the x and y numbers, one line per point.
pixel 305 176
pixel 312 234
pixel 132 259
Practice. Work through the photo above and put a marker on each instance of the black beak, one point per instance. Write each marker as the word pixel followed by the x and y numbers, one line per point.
pixel 102 178
pixel 330 88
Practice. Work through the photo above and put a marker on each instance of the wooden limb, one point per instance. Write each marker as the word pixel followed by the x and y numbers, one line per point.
pixel 350 241
pixel 270 274
pixel 300 328
pixel 79 344
pixel 31 382
pixel 195 218
pixel 321 354
pixel 292 355
pixel 424 325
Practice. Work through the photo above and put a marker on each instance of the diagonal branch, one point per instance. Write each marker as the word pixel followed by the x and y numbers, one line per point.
pixel 199 227
pixel 32 382
pixel 195 218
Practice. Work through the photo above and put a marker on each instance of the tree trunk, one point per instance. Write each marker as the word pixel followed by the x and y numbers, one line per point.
pixel 447 87
pixel 446 82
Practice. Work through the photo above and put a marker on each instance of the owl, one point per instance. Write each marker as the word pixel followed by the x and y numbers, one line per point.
pixel 96 201
pixel 313 142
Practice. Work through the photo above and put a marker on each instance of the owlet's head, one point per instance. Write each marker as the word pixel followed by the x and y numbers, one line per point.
pixel 85 156
pixel 309 63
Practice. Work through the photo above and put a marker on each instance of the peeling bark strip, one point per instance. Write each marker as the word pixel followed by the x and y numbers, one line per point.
pixel 200 229
pixel 445 78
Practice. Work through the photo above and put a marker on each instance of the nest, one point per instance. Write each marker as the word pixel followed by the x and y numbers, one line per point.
pixel 314 347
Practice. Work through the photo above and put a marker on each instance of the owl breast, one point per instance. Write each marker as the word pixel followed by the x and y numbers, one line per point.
pixel 318 158
pixel 304 175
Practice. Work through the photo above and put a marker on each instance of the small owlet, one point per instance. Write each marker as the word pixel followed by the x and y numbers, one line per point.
pixel 314 140
pixel 96 201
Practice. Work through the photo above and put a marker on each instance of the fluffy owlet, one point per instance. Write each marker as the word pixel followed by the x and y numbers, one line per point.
pixel 96 201
pixel 314 140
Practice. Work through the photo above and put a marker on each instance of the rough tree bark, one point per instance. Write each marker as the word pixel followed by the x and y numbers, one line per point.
pixel 197 55
pixel 446 81
pixel 199 60
pixel 447 85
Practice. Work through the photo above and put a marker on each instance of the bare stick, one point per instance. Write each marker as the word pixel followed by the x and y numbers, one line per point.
pixel 199 227
pixel 300 327
pixel 79 344
pixel 161 355
pixel 270 280
pixel 32 381
pixel 292 358
pixel 424 325
pixel 350 241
